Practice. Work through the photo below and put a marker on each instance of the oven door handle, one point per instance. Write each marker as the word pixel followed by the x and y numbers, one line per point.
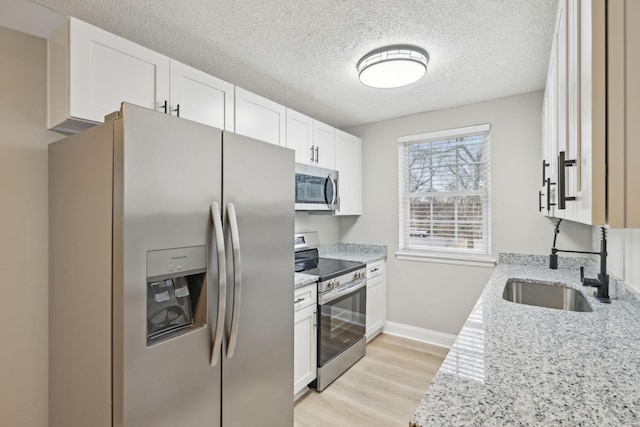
pixel 332 296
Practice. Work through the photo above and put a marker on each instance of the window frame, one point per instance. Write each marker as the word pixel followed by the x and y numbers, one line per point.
pixel 435 254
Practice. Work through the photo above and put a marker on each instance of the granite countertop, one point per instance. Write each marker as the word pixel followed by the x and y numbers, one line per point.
pixel 301 279
pixel 353 252
pixel 521 365
pixel 344 251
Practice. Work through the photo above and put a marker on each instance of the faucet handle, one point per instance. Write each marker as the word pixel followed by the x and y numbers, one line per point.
pixel 582 275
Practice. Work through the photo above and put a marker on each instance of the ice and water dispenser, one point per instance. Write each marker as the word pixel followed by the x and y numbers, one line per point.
pixel 176 292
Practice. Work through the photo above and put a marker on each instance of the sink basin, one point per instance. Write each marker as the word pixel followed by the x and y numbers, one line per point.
pixel 545 295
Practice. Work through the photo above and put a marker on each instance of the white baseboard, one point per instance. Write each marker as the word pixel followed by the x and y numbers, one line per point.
pixel 418 334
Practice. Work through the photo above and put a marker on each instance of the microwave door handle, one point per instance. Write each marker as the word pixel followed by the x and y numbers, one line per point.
pixel 331 203
pixel 218 238
pixel 335 191
pixel 232 220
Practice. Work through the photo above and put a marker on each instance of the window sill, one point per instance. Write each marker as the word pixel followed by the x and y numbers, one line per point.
pixel 447 258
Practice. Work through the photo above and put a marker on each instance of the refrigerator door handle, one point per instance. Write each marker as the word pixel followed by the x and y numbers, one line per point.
pixel 232 220
pixel 218 237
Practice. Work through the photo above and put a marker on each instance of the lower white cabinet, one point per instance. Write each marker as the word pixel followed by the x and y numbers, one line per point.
pixel 375 299
pixel 304 337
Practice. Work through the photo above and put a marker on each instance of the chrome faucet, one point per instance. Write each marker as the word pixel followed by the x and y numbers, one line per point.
pixel 601 283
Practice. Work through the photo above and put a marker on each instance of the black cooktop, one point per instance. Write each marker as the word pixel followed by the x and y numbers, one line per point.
pixel 309 262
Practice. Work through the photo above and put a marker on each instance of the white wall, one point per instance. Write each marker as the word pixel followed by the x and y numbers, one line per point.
pixel 23 230
pixel 327 226
pixel 623 247
pixel 435 296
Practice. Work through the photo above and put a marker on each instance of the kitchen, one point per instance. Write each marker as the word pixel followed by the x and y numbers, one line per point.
pixel 430 300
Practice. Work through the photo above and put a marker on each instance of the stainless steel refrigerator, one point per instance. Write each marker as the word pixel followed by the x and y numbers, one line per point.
pixel 170 276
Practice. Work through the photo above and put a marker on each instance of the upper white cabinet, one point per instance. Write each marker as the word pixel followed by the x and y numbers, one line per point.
pixel 200 97
pixel 313 141
pixel 595 112
pixel 300 136
pixel 259 117
pixel 323 145
pixel 348 163
pixel 574 143
pixel 90 72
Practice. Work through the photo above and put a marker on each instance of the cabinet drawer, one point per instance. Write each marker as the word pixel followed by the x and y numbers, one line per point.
pixel 305 296
pixel 375 269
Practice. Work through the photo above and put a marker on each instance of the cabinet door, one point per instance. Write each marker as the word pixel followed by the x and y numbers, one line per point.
pixel 105 70
pixel 375 306
pixel 260 118
pixel 348 164
pixel 300 136
pixel 591 83
pixel 304 344
pixel 324 141
pixel 200 97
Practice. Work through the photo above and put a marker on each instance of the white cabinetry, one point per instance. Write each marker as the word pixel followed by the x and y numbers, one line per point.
pixel 348 163
pixel 200 97
pixel 90 72
pixel 312 140
pixel 375 299
pixel 300 136
pixel 324 143
pixel 259 117
pixel 575 114
pixel 304 340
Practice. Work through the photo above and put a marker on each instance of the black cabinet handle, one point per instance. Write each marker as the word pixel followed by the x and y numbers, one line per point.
pixel 177 110
pixel 549 184
pixel 562 182
pixel 165 106
pixel 544 173
pixel 540 200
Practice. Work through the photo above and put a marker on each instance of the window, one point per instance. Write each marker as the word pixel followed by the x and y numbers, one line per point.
pixel 445 191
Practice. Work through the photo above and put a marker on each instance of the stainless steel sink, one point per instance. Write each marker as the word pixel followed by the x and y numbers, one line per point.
pixel 545 295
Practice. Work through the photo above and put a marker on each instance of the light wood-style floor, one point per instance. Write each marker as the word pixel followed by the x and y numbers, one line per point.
pixel 382 389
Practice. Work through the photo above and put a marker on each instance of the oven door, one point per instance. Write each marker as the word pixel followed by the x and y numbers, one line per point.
pixel 341 318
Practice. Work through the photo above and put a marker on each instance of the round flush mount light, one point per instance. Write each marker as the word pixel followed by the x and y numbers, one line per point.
pixel 393 66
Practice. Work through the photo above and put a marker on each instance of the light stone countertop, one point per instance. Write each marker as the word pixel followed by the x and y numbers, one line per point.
pixel 353 252
pixel 344 251
pixel 520 365
pixel 302 279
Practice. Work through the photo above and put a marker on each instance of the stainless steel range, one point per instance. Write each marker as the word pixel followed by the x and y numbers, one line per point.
pixel 342 301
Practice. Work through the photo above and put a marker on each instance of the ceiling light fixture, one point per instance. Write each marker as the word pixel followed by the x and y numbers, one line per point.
pixel 393 66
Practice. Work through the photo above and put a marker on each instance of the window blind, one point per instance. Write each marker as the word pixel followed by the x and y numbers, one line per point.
pixel 445 191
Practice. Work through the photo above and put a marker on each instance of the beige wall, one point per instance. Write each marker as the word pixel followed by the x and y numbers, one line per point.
pixel 23 231
pixel 436 296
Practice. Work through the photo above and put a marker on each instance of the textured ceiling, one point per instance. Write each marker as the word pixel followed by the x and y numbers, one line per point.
pixel 303 53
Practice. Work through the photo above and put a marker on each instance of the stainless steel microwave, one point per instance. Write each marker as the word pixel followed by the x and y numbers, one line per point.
pixel 316 188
